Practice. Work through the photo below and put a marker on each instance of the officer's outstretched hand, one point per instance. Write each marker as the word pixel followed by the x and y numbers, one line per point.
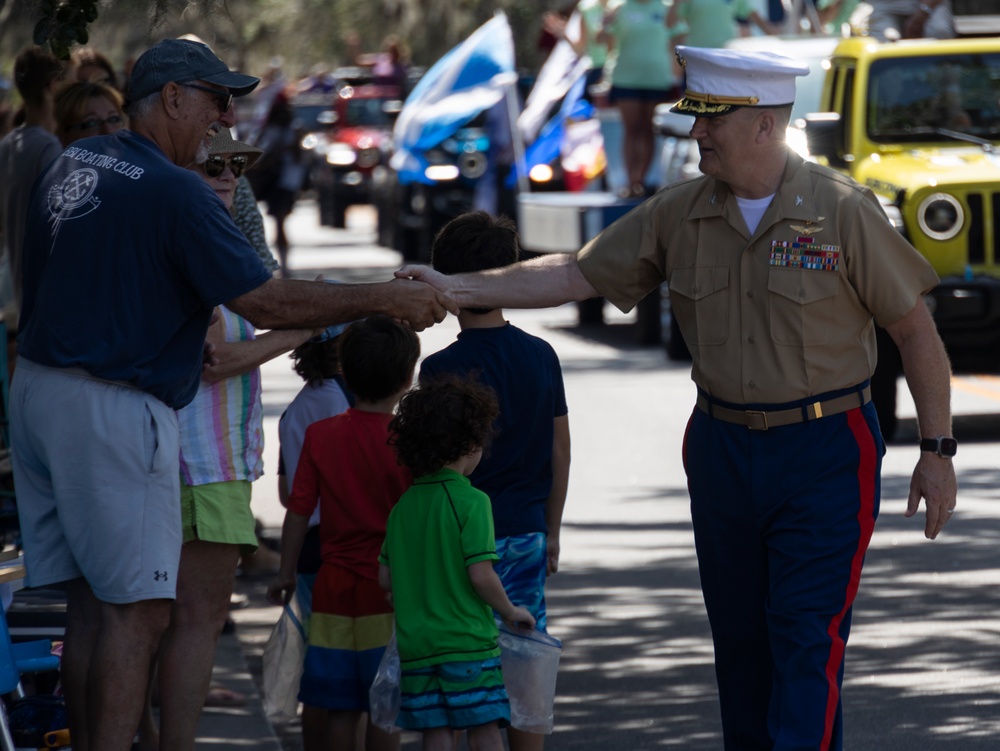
pixel 427 275
pixel 934 481
pixel 417 305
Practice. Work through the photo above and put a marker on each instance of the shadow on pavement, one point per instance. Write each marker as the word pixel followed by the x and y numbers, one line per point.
pixel 637 672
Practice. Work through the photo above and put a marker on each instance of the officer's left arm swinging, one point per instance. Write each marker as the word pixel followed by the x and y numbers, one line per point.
pixel 928 376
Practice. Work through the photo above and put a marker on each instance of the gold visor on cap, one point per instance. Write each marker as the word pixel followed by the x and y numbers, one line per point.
pixel 733 101
pixel 709 105
pixel 720 80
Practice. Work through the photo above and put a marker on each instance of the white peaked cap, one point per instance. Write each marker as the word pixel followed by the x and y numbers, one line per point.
pixel 720 79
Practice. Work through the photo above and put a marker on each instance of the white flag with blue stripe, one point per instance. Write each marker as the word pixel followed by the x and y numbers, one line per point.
pixel 469 79
pixel 561 69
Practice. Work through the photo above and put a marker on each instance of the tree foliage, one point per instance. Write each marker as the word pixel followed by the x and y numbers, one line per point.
pixel 249 33
pixel 64 24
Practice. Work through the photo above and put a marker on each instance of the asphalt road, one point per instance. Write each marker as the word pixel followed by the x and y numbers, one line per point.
pixel 636 672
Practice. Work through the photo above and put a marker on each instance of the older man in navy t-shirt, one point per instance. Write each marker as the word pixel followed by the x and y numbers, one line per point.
pixel 126 254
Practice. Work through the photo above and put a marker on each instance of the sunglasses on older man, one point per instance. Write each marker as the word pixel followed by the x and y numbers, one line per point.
pixel 223 99
pixel 216 165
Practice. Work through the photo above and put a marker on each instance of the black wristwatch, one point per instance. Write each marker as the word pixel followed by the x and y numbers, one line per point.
pixel 943 446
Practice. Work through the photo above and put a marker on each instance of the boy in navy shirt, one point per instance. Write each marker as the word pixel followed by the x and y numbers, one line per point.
pixel 527 470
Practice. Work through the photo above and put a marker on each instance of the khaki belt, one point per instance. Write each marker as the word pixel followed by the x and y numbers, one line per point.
pixel 762 420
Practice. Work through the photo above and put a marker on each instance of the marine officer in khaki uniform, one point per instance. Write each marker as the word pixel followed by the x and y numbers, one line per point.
pixel 778 271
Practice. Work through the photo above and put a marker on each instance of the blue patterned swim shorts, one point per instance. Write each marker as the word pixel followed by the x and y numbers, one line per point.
pixel 521 569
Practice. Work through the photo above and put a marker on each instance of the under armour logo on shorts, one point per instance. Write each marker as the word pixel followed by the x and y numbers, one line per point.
pixel 160 576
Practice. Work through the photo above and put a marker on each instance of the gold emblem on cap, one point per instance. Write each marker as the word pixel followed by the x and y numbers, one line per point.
pixel 700 108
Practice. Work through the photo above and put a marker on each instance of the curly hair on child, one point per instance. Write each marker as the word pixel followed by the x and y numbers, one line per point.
pixel 441 422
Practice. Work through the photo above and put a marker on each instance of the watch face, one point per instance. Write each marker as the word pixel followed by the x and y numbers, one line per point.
pixel 948 447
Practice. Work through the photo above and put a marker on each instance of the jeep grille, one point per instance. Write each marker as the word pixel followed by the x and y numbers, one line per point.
pixel 984 211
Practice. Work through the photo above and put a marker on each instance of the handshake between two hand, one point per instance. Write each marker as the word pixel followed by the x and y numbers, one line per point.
pixel 423 297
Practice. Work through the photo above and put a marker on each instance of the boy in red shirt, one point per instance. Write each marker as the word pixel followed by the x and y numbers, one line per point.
pixel 347 464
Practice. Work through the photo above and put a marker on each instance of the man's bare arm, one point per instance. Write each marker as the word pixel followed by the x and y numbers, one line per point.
pixel 543 282
pixel 928 375
pixel 301 304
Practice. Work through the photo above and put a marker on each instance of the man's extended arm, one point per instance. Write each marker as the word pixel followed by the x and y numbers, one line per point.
pixel 928 375
pixel 298 304
pixel 543 282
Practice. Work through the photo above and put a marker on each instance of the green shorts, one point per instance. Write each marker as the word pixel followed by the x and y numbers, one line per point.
pixel 219 512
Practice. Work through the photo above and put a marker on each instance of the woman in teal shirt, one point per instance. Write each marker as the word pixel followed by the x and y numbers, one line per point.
pixel 712 23
pixel 642 75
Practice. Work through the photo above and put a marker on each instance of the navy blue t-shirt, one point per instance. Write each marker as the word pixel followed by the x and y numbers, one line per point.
pixel 524 371
pixel 125 256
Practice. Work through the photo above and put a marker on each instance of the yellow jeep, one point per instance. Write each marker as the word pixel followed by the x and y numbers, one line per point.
pixel 918 122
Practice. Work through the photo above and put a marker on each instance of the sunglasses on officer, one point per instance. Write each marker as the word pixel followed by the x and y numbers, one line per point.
pixel 216 165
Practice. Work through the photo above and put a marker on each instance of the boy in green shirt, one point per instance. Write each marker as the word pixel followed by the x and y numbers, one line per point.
pixel 437 561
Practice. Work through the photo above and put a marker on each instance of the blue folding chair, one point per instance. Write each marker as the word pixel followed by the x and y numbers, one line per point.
pixel 7 510
pixel 16 660
pixel 4 386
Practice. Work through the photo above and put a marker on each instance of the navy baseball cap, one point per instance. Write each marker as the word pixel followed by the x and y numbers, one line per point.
pixel 181 60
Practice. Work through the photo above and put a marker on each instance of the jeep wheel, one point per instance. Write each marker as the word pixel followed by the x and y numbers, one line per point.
pixel 338 213
pixel 407 243
pixel 413 244
pixel 384 213
pixel 323 200
pixel 591 312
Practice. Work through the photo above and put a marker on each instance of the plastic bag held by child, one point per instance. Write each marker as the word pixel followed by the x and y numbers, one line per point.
pixel 284 657
pixel 530 664
pixel 385 697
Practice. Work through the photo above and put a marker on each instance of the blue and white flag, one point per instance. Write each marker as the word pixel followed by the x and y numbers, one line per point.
pixel 562 68
pixel 469 79
pixel 549 143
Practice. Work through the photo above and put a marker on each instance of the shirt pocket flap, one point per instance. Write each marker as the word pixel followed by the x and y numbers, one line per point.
pixel 803 287
pixel 698 283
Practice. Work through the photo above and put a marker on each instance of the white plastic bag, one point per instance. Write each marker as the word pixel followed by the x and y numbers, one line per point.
pixel 385 696
pixel 284 658
pixel 530 664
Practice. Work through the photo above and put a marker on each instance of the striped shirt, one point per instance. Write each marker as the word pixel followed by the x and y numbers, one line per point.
pixel 222 436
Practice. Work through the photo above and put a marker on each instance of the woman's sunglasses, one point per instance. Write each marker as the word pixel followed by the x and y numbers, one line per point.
pixel 94 122
pixel 216 165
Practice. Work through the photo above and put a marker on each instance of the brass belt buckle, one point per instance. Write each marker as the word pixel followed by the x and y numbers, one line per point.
pixel 756 420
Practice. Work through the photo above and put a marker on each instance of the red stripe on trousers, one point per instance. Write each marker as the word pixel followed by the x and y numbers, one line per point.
pixel 867 462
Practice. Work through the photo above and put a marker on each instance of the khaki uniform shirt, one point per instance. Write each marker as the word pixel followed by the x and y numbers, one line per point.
pixel 779 316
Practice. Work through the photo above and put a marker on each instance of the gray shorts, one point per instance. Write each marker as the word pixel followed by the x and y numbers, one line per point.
pixel 97 477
